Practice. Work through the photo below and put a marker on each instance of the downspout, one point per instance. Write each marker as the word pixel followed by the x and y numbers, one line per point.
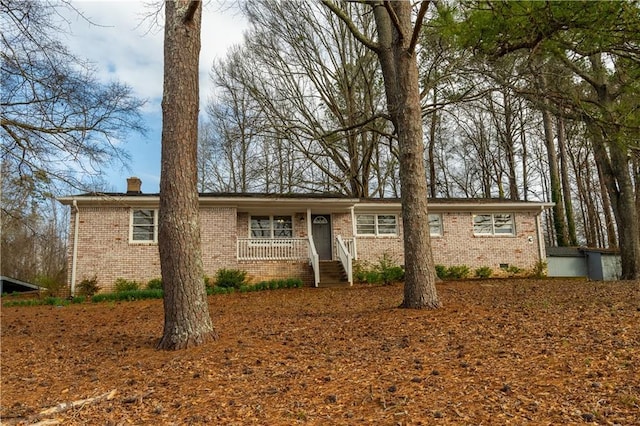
pixel 541 251
pixel 74 255
pixel 353 232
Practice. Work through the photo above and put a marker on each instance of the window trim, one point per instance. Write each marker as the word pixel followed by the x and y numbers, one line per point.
pixel 493 232
pixel 272 228
pixel 376 223
pixel 154 224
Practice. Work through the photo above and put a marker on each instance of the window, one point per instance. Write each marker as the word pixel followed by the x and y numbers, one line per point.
pixel 435 224
pixel 271 227
pixel 144 226
pixel 493 224
pixel 376 224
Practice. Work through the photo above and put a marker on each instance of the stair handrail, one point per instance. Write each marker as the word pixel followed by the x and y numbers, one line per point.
pixel 345 258
pixel 314 260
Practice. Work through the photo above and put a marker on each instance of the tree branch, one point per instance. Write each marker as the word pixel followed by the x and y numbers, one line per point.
pixel 394 18
pixel 418 26
pixel 352 27
pixel 191 10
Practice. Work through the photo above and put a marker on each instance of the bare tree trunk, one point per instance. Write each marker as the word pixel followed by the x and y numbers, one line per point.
pixel 186 313
pixel 431 148
pixel 612 239
pixel 615 169
pixel 400 72
pixel 566 188
pixel 554 179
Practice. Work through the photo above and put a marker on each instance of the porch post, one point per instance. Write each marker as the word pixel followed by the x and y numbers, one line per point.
pixel 309 222
pixel 353 232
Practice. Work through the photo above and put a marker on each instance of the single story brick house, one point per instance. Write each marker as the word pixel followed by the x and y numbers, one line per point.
pixel 115 235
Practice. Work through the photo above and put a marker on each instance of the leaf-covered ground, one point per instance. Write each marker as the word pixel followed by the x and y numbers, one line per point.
pixel 498 352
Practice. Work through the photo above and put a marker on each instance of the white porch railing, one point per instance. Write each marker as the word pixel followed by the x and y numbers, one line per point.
pixel 350 243
pixel 345 258
pixel 314 259
pixel 273 249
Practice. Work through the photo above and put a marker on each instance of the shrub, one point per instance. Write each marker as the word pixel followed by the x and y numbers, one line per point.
pixel 452 272
pixel 372 277
pixel 458 271
pixel 539 269
pixel 127 295
pixel 231 278
pixel 483 272
pixel 388 270
pixel 513 270
pixel 208 282
pixel 154 284
pixel 272 285
pixel 360 268
pixel 55 286
pixel 441 271
pixel 88 286
pixel 123 285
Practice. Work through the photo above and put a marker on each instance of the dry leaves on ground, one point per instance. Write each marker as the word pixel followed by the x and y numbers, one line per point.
pixel 498 352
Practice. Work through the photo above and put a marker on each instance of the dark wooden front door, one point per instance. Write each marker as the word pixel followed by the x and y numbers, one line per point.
pixel 321 231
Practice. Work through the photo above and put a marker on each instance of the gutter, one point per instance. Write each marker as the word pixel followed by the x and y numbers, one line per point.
pixel 74 255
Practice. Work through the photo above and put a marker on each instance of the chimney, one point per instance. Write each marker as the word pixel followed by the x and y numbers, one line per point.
pixel 133 186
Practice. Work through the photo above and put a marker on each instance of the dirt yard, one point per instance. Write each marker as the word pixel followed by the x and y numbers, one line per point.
pixel 498 352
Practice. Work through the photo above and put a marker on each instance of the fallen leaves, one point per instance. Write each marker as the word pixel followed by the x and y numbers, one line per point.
pixel 499 352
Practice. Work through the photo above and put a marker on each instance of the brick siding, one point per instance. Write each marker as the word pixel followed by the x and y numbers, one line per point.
pixel 104 250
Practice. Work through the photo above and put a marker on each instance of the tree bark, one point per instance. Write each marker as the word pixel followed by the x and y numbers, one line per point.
pixel 187 321
pixel 566 188
pixel 400 72
pixel 554 181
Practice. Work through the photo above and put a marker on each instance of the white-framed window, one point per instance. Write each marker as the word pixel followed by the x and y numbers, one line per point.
pixel 435 224
pixel 272 227
pixel 144 226
pixel 376 224
pixel 493 224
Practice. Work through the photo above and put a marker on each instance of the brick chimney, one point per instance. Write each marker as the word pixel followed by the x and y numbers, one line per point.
pixel 133 186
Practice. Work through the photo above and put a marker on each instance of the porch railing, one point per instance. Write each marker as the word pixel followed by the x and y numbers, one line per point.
pixel 350 243
pixel 345 258
pixel 273 248
pixel 314 259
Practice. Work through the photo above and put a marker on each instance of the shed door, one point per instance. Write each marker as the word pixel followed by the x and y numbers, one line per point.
pixel 321 231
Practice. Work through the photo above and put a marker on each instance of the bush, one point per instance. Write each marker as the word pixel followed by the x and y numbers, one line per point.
pixel 127 295
pixel 539 269
pixel 123 285
pixel 388 270
pixel 360 268
pixel 483 272
pixel 154 284
pixel 88 286
pixel 441 271
pixel 452 272
pixel 231 278
pixel 272 285
pixel 208 282
pixel 55 286
pixel 458 271
pixel 513 271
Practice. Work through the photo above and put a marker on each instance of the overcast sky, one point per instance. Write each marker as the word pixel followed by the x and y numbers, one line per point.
pixel 121 46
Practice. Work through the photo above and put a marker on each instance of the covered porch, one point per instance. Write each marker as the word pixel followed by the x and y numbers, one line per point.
pixel 320 236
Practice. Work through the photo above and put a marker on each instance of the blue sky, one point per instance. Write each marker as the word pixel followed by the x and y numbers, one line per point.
pixel 118 41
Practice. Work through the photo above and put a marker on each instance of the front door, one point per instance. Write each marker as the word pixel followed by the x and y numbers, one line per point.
pixel 321 231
